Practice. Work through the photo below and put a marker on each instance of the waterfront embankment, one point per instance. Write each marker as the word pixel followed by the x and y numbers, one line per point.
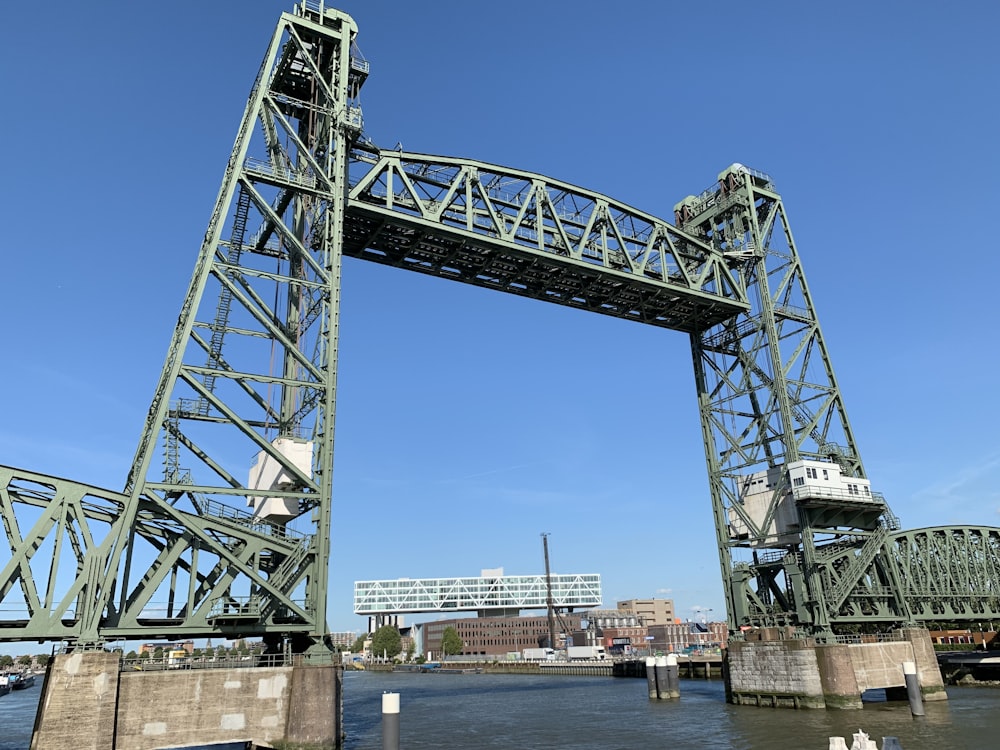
pixel 705 667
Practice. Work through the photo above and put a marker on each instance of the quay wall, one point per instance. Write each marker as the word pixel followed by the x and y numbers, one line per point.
pixel 799 673
pixel 79 702
pixel 89 704
pixel 774 673
pixel 705 667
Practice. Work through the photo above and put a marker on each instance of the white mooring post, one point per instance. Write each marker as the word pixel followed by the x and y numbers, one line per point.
pixel 674 676
pixel 913 688
pixel 863 742
pixel 390 721
pixel 662 684
pixel 651 677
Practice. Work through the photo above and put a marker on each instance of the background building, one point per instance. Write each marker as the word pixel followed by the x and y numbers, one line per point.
pixel 620 631
pixel 652 611
pixel 490 595
pixel 166 646
pixel 495 636
pixel 681 637
pixel 342 641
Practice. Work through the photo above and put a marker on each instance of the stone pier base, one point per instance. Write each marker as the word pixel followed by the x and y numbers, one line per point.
pixel 88 704
pixel 778 671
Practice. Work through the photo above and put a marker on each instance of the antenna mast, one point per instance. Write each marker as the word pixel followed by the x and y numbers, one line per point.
pixel 548 592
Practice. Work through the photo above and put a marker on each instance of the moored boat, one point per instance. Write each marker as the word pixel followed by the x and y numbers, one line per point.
pixel 22 681
pixel 4 684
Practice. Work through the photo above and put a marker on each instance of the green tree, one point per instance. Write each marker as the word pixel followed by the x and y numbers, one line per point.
pixel 359 644
pixel 386 641
pixel 158 652
pixel 6 661
pixel 42 660
pixel 131 655
pixel 24 660
pixel 451 641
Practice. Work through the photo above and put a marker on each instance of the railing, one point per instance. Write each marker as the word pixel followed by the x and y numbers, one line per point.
pixel 730 335
pixel 241 607
pixel 835 449
pixel 16 614
pixel 282 173
pixel 227 661
pixel 354 117
pixel 249 608
pixel 221 510
pixel 854 638
pixel 797 313
pixel 851 574
pixel 316 6
pixel 711 197
pixel 811 491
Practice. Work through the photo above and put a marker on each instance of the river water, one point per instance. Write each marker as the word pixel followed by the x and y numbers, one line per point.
pixel 511 712
pixel 520 712
pixel 17 716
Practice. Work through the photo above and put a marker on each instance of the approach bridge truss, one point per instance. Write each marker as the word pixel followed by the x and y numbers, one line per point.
pixel 202 542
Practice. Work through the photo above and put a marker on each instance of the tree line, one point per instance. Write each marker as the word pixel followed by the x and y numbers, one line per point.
pixel 25 661
pixel 387 642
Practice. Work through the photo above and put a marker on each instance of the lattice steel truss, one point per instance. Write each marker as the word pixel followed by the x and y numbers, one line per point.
pixel 525 234
pixel 249 376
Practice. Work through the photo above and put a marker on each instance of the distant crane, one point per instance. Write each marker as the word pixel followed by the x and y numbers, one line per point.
pixel 549 601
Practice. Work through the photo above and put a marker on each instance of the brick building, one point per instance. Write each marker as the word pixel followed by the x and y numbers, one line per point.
pixel 342 640
pixel 686 636
pixel 494 636
pixel 620 632
pixel 166 646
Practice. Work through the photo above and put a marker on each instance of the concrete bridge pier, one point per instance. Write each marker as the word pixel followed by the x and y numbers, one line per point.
pixel 89 703
pixel 773 668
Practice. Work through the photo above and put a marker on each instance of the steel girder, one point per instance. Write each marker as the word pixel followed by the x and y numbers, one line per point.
pixel 525 234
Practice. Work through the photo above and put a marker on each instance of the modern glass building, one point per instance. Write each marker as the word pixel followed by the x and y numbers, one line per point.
pixel 489 596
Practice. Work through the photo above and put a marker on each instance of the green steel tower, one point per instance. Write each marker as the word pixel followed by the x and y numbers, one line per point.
pixel 243 412
pixel 786 478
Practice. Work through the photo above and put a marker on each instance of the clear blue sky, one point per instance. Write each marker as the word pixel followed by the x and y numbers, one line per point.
pixel 468 421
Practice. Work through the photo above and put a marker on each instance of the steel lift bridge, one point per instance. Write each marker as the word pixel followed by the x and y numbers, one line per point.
pixel 202 542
